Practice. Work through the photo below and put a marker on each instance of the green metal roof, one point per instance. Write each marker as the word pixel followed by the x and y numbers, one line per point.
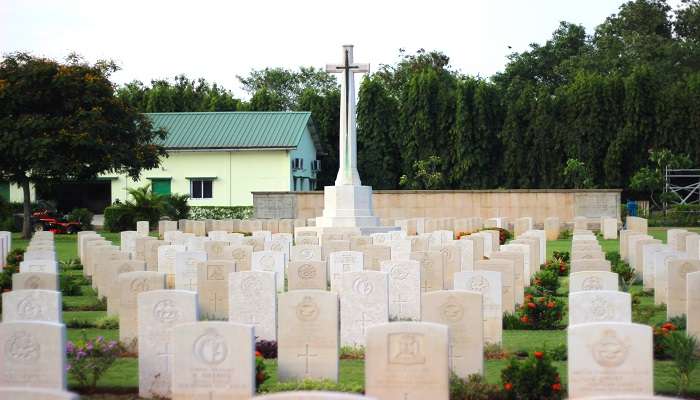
pixel 232 130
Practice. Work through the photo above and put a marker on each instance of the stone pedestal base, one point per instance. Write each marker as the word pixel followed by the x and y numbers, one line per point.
pixel 347 206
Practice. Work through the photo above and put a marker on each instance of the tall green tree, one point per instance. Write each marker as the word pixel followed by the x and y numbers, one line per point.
pixel 287 86
pixel 427 111
pixel 179 95
pixel 474 159
pixel 325 112
pixel 62 121
pixel 378 150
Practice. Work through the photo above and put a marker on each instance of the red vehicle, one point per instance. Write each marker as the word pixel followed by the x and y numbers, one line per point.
pixel 44 220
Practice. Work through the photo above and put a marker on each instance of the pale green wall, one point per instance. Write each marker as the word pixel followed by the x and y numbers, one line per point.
pixel 238 173
pixel 306 150
pixel 17 196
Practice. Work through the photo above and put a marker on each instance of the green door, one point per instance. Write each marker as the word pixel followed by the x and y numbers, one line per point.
pixel 5 191
pixel 161 186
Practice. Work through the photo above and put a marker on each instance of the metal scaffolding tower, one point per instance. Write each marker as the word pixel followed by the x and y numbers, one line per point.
pixel 683 185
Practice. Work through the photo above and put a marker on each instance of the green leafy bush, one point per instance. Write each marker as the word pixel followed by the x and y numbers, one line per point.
pixel 308 384
pixel 544 312
pixel 71 265
pixel 14 257
pixel 559 264
pixel 72 285
pixel 236 212
pixel 82 215
pixel 682 349
pixel 565 234
pixel 545 282
pixel 177 206
pixel 79 324
pixel 512 321
pixel 261 374
pixel 107 322
pixel 532 379
pixel 626 275
pixel 352 353
pixel 687 215
pixel 6 277
pixel 474 387
pixel 119 217
pixel 661 333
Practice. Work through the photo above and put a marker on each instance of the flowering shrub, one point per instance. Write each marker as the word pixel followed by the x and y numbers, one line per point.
pixel 544 312
pixel 89 359
pixel 260 369
pixel 661 333
pixel 473 387
pixel 559 263
pixel 532 378
pixel 14 257
pixel 268 348
pixel 545 282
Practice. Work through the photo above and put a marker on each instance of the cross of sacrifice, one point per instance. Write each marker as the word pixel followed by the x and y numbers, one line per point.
pixel 347 171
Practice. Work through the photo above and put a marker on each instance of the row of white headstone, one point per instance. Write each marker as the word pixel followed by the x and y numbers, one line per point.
pixel 33 362
pixel 608 355
pixel 437 267
pixel 671 270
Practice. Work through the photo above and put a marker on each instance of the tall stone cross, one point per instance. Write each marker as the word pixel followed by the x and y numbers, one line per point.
pixel 347 171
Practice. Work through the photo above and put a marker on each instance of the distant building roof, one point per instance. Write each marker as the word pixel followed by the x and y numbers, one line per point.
pixel 233 130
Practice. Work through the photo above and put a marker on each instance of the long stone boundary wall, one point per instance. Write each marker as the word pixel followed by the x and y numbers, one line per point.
pixel 394 204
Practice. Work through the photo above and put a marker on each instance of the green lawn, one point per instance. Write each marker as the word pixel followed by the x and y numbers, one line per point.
pixel 121 381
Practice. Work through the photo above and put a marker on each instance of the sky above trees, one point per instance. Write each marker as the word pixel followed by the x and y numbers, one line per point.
pixel 220 40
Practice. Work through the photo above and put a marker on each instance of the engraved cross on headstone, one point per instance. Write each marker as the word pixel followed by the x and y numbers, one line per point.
pixel 214 300
pixel 307 355
pixel 165 356
pixel 363 322
pixel 347 170
pixel 453 356
pixel 400 304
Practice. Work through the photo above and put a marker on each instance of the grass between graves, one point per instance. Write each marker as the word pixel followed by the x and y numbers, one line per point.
pixel 121 381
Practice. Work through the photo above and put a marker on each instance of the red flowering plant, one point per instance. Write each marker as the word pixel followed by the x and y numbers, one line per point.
pixel 260 370
pixel 89 359
pixel 661 333
pixel 559 263
pixel 532 378
pixel 543 312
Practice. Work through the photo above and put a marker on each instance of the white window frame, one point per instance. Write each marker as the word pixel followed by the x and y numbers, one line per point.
pixel 201 181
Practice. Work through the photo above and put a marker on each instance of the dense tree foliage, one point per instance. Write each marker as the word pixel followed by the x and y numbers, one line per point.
pixel 62 121
pixel 182 94
pixel 604 99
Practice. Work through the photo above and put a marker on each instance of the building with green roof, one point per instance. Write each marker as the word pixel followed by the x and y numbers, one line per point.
pixel 219 158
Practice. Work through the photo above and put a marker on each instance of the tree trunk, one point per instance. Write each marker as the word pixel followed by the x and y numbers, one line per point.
pixel 27 211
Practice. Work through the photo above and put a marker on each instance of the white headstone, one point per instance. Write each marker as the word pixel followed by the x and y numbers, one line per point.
pixel 488 283
pixel 610 358
pixel 31 305
pixel 270 261
pixel 213 360
pixel 308 344
pixel 404 289
pixel 363 303
pixel 159 312
pixel 253 301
